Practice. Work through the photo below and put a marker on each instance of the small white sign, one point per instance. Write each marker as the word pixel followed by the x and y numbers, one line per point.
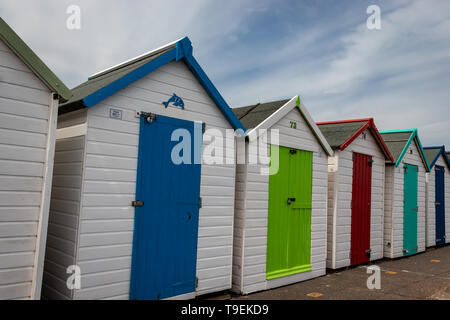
pixel 115 114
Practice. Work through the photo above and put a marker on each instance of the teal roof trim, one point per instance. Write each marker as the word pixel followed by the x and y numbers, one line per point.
pixel 415 135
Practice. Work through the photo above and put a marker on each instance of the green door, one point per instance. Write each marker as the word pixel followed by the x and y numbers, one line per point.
pixel 410 210
pixel 289 217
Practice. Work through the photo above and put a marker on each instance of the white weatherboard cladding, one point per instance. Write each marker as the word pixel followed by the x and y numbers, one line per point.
pixel 393 243
pixel 62 238
pixel 24 128
pixel 105 236
pixel 252 191
pixel 340 175
pixel 430 203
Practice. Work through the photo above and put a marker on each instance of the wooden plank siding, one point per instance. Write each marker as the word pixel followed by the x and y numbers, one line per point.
pixel 340 173
pixel 430 203
pixel 250 245
pixel 105 236
pixel 24 124
pixel 393 245
pixel 63 224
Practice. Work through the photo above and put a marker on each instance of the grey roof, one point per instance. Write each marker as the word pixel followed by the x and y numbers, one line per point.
pixel 396 142
pixel 252 116
pixel 101 80
pixel 431 153
pixel 338 133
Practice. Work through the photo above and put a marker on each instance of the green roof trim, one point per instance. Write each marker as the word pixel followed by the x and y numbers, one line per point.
pixel 414 134
pixel 27 55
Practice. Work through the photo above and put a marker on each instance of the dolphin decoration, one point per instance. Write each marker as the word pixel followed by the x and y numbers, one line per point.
pixel 176 100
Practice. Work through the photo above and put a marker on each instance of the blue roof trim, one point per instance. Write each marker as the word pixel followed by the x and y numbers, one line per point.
pixel 442 151
pixel 183 50
pixel 129 78
pixel 213 92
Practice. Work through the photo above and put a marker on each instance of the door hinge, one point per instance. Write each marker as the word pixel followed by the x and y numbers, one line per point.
pixel 200 202
pixel 203 127
pixel 293 151
pixel 137 203
pixel 196 282
pixel 290 200
pixel 150 117
pixel 405 168
pixel 370 162
pixel 368 252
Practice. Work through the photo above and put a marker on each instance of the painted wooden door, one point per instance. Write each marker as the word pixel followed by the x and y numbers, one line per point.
pixel 410 210
pixel 166 226
pixel 440 204
pixel 289 214
pixel 361 205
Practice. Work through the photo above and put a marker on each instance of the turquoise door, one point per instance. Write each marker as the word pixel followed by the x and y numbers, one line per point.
pixel 410 210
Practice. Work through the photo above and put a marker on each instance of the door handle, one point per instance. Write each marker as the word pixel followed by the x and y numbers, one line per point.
pixel 415 209
pixel 438 203
pixel 290 200
pixel 137 203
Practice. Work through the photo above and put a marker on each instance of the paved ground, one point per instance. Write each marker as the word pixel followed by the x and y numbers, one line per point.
pixel 423 276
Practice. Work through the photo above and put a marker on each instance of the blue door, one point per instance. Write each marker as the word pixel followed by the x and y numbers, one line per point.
pixel 166 219
pixel 440 205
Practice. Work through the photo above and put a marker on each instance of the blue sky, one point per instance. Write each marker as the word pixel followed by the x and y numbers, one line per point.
pixel 257 51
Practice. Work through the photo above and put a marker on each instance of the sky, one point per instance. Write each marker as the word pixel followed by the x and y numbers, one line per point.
pixel 259 51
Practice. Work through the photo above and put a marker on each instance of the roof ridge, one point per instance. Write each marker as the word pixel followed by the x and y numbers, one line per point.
pixel 133 60
pixel 250 110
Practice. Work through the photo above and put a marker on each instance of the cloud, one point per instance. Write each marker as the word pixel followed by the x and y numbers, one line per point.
pixel 259 51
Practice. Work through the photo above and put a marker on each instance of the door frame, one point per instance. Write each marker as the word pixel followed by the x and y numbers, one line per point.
pixel 406 167
pixel 362 228
pixel 441 170
pixel 138 195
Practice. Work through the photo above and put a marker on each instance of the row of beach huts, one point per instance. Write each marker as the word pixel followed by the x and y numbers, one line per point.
pixel 93 205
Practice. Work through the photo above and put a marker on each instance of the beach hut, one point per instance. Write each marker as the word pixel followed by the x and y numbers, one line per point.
pixel 355 191
pixel 29 97
pixel 136 211
pixel 404 208
pixel 280 215
pixel 437 197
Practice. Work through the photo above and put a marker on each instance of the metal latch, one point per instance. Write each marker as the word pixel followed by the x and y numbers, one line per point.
pixel 150 117
pixel 199 202
pixel 415 209
pixel 290 200
pixel 405 251
pixel 137 203
pixel 368 252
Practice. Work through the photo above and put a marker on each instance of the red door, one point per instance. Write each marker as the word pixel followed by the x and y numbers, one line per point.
pixel 361 203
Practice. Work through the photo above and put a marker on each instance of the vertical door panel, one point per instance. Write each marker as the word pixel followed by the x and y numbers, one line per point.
pixel 410 210
pixel 166 226
pixel 361 205
pixel 440 204
pixel 289 221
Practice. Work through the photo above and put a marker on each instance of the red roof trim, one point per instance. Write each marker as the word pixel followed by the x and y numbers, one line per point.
pixel 381 141
pixel 369 125
pixel 355 135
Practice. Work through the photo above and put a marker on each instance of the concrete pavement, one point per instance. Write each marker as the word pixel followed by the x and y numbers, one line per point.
pixel 423 276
